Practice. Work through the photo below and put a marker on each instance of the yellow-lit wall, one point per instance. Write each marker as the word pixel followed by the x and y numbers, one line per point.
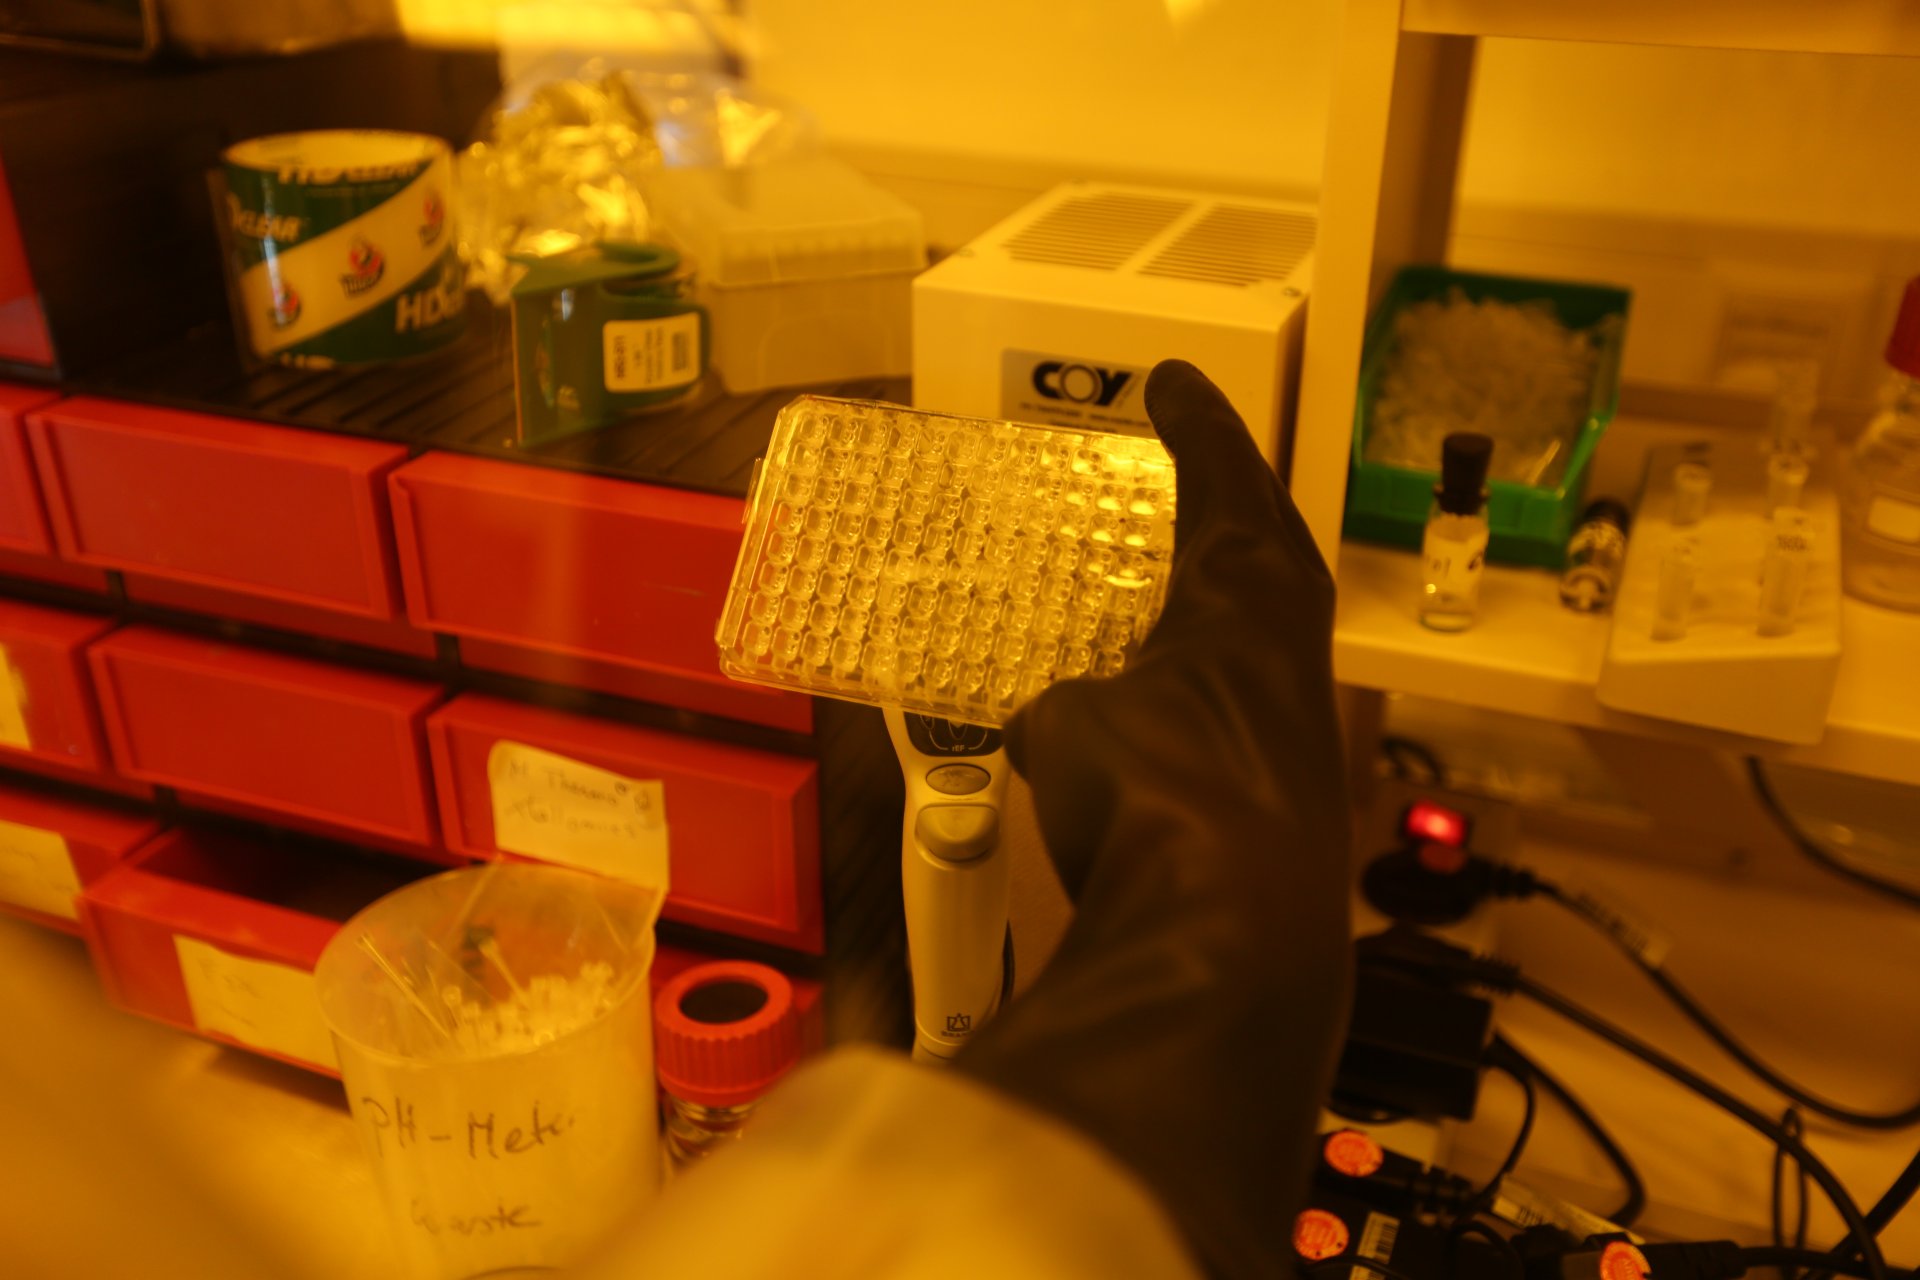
pixel 1239 88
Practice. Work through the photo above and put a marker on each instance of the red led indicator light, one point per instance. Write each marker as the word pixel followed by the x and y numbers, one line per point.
pixel 1435 824
pixel 1621 1261
pixel 1353 1153
pixel 1319 1235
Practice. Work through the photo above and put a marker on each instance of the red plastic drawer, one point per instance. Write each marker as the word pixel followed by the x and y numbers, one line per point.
pixel 218 934
pixel 50 847
pixel 48 714
pixel 743 826
pixel 23 522
pixel 373 633
pixel 295 516
pixel 23 326
pixel 582 568
pixel 333 746
pixel 19 564
pixel 254 916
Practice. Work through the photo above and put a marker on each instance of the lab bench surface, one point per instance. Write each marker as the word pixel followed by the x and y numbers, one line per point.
pixel 270 1149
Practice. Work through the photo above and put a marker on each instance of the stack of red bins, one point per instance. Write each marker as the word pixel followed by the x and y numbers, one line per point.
pixel 211 615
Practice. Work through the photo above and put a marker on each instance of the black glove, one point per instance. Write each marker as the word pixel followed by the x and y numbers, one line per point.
pixel 1195 807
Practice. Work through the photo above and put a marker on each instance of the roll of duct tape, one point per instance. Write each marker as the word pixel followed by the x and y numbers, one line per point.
pixel 343 246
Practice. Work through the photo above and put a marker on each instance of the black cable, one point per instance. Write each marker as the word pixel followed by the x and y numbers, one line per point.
pixel 1884 1211
pixel 1776 1217
pixel 1814 850
pixel 1849 1211
pixel 1715 1030
pixel 1515 1070
pixel 1475 1227
pixel 1786 1259
pixel 1636 1191
pixel 1344 1261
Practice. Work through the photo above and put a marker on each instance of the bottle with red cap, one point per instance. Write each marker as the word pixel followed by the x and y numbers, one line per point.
pixel 724 1034
pixel 1880 494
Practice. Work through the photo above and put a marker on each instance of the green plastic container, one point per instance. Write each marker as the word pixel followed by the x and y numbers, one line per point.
pixel 1530 524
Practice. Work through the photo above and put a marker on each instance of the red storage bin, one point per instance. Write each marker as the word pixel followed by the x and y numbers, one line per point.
pixel 743 825
pixel 373 633
pixel 294 516
pixel 218 933
pixel 51 847
pixel 590 573
pixel 288 737
pixel 23 522
pixel 49 569
pixel 48 716
pixel 23 325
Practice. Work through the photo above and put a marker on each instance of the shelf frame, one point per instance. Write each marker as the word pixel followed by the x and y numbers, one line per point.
pixel 1401 89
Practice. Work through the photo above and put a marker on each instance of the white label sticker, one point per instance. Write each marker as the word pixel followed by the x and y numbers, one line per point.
pixel 259 1003
pixel 1377 1238
pixel 36 871
pixel 13 704
pixel 648 355
pixel 1894 519
pixel 1453 565
pixel 559 810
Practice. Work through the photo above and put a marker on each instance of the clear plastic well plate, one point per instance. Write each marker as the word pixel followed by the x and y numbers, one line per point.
pixel 951 566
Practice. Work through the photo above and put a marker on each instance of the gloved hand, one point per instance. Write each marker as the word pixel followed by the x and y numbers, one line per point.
pixel 1195 807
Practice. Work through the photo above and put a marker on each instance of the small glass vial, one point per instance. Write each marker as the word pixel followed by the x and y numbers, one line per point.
pixel 1692 484
pixel 1595 554
pixel 1880 487
pixel 1786 480
pixel 1790 416
pixel 1454 549
pixel 1673 601
pixel 724 1034
pixel 1784 577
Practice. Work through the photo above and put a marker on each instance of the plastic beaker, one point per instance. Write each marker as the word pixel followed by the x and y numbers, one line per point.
pixel 495 1040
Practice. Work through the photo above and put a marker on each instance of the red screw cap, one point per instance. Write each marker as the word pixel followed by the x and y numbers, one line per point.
pixel 1903 346
pixel 724 1033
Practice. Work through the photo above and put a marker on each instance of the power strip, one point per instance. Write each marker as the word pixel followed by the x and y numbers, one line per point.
pixel 1733 648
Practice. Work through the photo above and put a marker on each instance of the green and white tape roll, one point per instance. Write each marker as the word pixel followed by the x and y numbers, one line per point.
pixel 345 245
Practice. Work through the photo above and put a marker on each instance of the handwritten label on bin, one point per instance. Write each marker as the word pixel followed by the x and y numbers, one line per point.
pixel 13 704
pixel 36 871
pixel 259 1003
pixel 559 810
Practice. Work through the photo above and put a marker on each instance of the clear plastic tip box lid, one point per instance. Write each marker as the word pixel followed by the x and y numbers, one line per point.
pixel 951 566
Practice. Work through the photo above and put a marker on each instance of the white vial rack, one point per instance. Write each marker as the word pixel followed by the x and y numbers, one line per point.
pixel 1729 617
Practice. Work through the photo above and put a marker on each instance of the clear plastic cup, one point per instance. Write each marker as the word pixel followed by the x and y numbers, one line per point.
pixel 495 1040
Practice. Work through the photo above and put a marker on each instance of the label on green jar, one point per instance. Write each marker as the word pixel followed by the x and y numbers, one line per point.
pixel 651 354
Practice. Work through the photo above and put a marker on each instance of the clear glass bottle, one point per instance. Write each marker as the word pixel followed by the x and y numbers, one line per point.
pixel 1880 491
pixel 1595 555
pixel 695 1132
pixel 1453 552
pixel 724 1034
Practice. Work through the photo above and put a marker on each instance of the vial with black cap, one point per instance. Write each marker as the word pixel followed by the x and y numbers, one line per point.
pixel 1454 550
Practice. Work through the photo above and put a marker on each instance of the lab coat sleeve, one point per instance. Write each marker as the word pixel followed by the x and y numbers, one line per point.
pixel 868 1165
